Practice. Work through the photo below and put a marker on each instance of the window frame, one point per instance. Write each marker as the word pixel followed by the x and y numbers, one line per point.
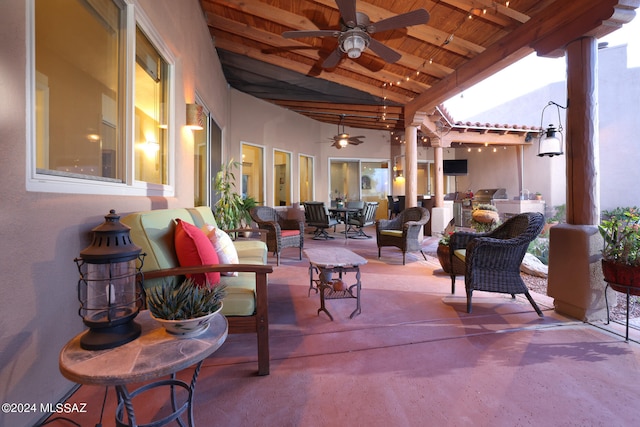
pixel 51 183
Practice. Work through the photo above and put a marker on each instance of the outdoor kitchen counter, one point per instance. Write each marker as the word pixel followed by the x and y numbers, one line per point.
pixel 507 208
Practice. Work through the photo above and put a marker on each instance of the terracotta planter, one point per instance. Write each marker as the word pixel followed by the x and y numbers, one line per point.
pixel 443 257
pixel 458 266
pixel 622 277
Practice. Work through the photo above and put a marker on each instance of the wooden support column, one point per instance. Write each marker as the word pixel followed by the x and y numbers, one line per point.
pixel 575 275
pixel 411 166
pixel 583 181
pixel 438 155
pixel 411 158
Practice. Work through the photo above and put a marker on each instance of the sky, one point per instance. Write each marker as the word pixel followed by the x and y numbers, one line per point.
pixel 532 73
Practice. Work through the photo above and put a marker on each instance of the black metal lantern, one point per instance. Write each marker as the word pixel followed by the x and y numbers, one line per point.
pixel 109 288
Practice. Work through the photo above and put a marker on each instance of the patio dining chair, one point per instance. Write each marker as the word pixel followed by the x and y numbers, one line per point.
pixel 317 215
pixel 364 218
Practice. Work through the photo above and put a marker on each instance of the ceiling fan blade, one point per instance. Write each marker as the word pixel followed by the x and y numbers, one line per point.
pixel 337 145
pixel 310 33
pixel 355 141
pixel 384 52
pixel 333 59
pixel 416 17
pixel 348 12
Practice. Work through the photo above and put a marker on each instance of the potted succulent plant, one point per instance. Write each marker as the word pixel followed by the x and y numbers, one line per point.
pixel 185 308
pixel 620 229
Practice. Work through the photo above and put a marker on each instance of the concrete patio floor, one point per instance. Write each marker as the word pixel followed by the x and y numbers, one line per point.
pixel 414 357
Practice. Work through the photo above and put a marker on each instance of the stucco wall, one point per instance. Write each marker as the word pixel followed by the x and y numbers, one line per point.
pixel 261 123
pixel 41 233
pixel 619 116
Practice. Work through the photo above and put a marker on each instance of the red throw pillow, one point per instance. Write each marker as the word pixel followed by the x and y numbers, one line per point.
pixel 194 248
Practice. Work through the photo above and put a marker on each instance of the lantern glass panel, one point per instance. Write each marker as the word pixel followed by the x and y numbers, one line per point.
pixel 109 291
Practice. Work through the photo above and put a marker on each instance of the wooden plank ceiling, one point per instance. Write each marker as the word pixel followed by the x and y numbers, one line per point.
pixel 463 42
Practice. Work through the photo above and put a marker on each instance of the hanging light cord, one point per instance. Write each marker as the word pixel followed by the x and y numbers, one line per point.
pixel 558 107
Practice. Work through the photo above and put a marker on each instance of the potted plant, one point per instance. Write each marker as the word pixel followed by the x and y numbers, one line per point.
pixel 230 209
pixel 484 218
pixel 185 308
pixel 248 203
pixel 620 230
pixel 443 247
pixel 559 215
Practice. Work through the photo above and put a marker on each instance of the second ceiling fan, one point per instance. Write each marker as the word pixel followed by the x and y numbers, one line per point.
pixel 342 139
pixel 355 34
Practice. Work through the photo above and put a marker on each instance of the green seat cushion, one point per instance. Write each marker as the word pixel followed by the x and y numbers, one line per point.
pixel 461 254
pixel 395 233
pixel 240 299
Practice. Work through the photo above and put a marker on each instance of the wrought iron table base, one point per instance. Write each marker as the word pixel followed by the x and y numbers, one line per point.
pixel 324 284
pixel 125 402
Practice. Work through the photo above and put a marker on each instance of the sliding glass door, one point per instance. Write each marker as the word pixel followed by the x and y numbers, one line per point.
pixel 354 179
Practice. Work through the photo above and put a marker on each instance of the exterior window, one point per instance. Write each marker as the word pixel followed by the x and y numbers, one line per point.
pixel 281 178
pixel 78 131
pixel 253 172
pixel 83 140
pixel 151 101
pixel 306 178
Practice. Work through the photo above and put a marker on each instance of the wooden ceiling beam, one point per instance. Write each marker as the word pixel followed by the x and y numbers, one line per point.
pixel 490 5
pixel 218 23
pixel 408 60
pixel 424 33
pixel 265 11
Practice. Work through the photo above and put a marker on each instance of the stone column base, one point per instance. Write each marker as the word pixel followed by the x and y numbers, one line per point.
pixel 440 217
pixel 575 275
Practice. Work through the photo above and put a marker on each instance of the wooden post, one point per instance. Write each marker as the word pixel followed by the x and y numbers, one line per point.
pixel 583 183
pixel 411 166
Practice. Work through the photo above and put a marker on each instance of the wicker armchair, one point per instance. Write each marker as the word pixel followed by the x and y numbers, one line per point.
pixel 281 232
pixel 492 260
pixel 402 231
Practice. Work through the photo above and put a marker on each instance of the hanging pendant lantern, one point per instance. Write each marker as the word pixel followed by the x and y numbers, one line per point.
pixel 551 141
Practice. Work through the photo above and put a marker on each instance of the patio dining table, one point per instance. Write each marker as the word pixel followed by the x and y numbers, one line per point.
pixel 343 213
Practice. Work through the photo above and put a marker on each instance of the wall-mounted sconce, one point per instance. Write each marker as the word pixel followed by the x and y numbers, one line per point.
pixel 397 168
pixel 151 146
pixel 195 117
pixel 551 140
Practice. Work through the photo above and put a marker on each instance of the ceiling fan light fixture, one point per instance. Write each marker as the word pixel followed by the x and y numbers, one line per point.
pixel 353 43
pixel 344 140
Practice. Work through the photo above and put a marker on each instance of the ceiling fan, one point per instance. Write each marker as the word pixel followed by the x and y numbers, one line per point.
pixel 355 35
pixel 343 139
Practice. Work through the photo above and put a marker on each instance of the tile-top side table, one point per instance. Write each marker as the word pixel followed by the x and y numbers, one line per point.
pixel 331 260
pixel 154 354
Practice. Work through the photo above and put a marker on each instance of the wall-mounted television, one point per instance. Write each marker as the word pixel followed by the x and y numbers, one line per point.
pixel 454 167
